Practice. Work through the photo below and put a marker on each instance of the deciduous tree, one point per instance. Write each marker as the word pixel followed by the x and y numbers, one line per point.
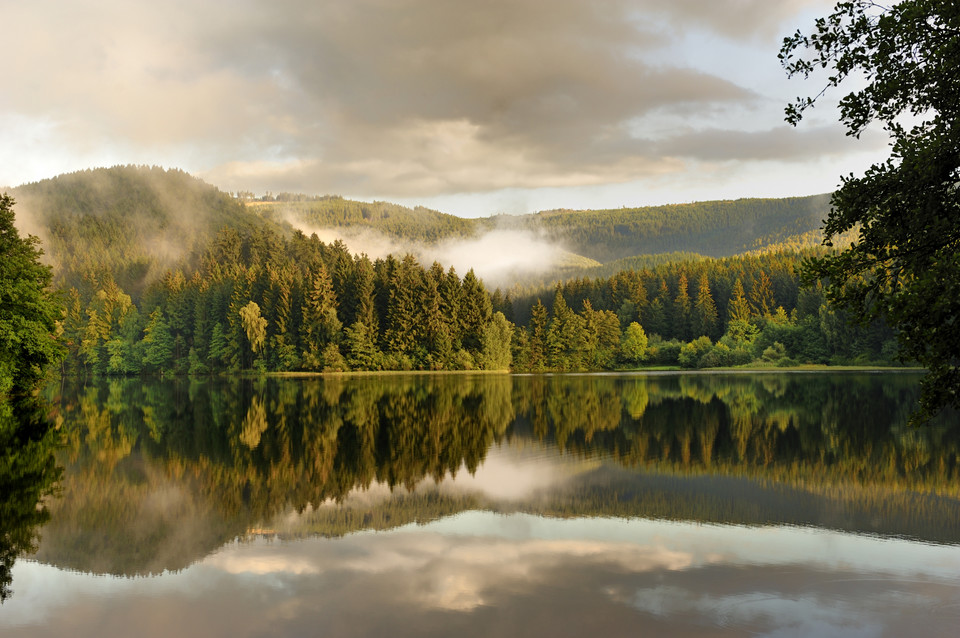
pixel 905 263
pixel 28 311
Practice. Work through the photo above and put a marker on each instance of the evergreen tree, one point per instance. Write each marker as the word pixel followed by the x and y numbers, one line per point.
pixel 218 346
pixel 320 323
pixel 537 358
pixel 658 312
pixel 602 330
pixel 254 326
pixel 681 309
pixel 404 327
pixel 705 311
pixel 361 347
pixel 475 311
pixel 158 344
pixel 496 353
pixel 738 309
pixel 436 336
pixel 364 293
pixel 761 296
pixel 451 299
pixel 566 337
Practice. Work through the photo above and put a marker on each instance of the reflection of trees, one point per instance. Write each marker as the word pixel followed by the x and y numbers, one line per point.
pixel 160 473
pixel 28 474
pixel 146 461
pixel 803 429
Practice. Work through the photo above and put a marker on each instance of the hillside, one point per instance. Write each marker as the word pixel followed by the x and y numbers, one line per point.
pixel 713 229
pixel 133 223
pixel 395 221
pixel 128 222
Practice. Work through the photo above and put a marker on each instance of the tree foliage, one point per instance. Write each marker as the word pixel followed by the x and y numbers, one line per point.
pixel 905 263
pixel 28 311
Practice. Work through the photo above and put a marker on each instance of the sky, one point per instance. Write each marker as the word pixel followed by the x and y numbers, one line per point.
pixel 472 108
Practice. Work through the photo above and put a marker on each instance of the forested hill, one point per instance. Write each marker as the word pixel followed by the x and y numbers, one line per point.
pixel 715 229
pixel 394 220
pixel 133 223
pixel 128 223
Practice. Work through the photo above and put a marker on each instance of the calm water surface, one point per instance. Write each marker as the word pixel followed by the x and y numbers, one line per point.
pixel 610 505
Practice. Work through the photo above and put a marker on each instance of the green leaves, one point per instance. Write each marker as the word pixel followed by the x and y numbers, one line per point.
pixel 904 266
pixel 28 310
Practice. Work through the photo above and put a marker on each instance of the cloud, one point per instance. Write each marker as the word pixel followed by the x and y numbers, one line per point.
pixel 758 19
pixel 371 97
pixel 783 143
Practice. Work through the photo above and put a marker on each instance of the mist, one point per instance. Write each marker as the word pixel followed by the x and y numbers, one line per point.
pixel 499 256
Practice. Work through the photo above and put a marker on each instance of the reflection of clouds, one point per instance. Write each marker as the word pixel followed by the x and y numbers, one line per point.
pixel 507 475
pixel 810 615
pixel 482 574
pixel 448 572
pixel 260 564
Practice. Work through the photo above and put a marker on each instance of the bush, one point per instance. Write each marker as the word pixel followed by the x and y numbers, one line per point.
pixel 691 353
pixel 718 356
pixel 660 352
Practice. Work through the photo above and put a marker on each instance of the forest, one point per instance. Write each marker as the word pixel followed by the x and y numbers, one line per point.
pixel 164 274
pixel 716 229
pixel 259 301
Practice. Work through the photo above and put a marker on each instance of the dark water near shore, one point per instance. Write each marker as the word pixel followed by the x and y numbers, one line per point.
pixel 714 504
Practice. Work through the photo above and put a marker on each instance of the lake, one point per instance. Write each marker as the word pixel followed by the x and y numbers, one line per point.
pixel 775 504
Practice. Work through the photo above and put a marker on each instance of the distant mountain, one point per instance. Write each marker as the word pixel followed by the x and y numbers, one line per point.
pixel 713 229
pixel 133 223
pixel 128 222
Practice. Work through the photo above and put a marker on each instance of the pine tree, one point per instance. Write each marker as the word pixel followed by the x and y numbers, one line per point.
pixel 537 357
pixel 602 330
pixel 404 328
pixel 761 296
pixel 320 323
pixel 566 337
pixel 436 337
pixel 475 312
pixel 451 298
pixel 361 349
pixel 738 309
pixel 658 312
pixel 705 310
pixel 255 327
pixel 681 309
pixel 158 344
pixel 497 335
pixel 364 293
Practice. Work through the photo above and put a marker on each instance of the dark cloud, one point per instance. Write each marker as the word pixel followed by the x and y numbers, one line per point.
pixel 425 96
pixel 378 97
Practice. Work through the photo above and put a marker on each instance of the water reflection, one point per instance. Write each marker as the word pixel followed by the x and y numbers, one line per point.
pixel 504 494
pixel 481 574
pixel 28 473
pixel 160 474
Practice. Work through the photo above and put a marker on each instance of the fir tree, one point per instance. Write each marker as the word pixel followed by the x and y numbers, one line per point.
pixel 705 310
pixel 738 309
